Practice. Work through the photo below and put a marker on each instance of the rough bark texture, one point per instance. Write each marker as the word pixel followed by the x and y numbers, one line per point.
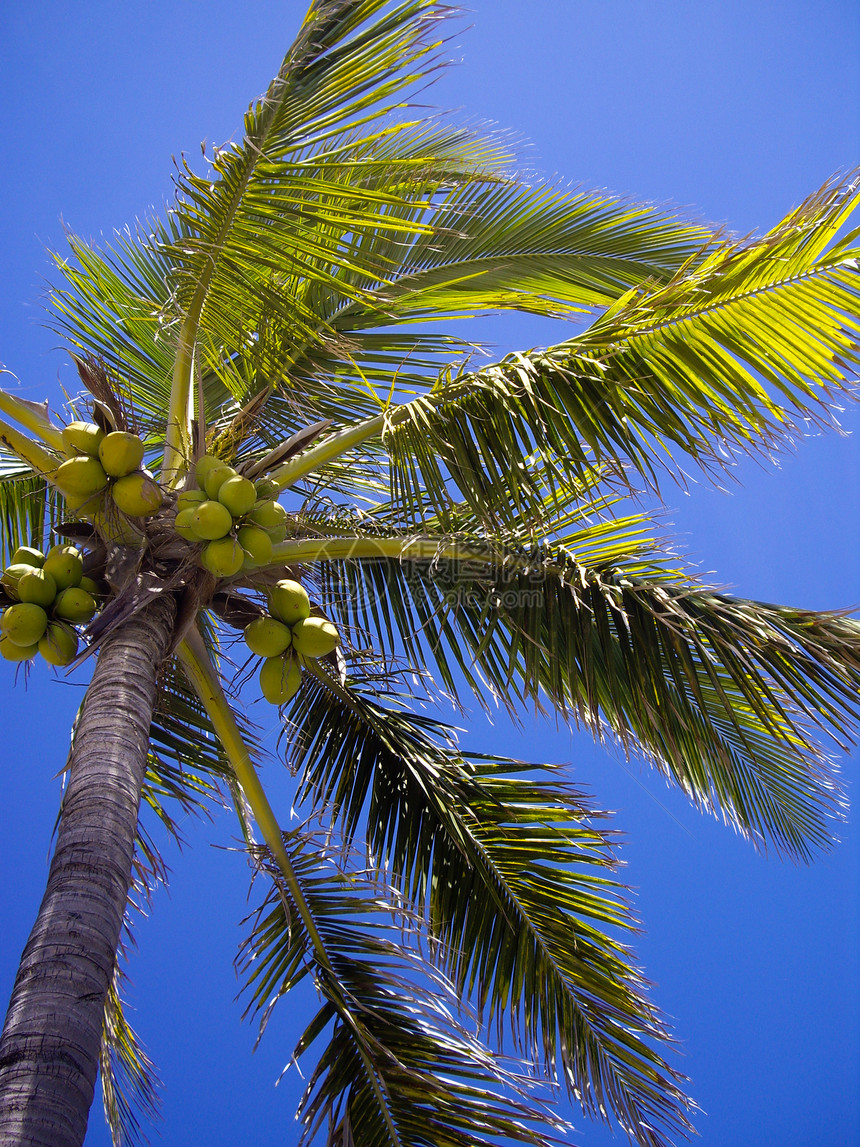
pixel 50 1045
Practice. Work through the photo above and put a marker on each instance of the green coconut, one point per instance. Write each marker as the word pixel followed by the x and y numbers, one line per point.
pixel 183 524
pixel 280 679
pixel 94 588
pixel 37 587
pixel 278 534
pixel 257 545
pixel 238 495
pixel 80 478
pixel 268 637
pixel 74 604
pixel 289 601
pixel 11 576
pixel 267 488
pixel 24 624
pixel 120 453
pixel 82 438
pixel 268 515
pixel 28 556
pixel 211 520
pixel 315 637
pixel 85 505
pixel 59 646
pixel 65 566
pixel 12 652
pixel 223 557
pixel 116 527
pixel 190 499
pixel 137 495
pixel 216 478
pixel 203 465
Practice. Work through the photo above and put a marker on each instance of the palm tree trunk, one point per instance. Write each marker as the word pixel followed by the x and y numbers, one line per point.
pixel 50 1045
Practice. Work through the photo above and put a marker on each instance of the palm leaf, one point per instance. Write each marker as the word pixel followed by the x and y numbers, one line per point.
pixel 29 508
pixel 725 696
pixel 399 1069
pixel 678 366
pixel 515 881
pixel 128 1078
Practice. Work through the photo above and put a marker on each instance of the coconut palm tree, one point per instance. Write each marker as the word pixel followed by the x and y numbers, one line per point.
pixel 460 529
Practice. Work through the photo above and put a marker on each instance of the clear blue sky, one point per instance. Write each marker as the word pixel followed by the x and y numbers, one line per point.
pixel 735 110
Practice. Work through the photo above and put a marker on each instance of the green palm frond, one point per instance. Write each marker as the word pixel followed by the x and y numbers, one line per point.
pixel 500 244
pixel 399 1068
pixel 517 886
pixel 681 366
pixel 29 507
pixel 727 697
pixel 128 1078
pixel 188 766
pixel 109 307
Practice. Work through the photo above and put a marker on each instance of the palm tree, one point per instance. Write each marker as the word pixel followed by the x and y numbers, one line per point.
pixel 472 531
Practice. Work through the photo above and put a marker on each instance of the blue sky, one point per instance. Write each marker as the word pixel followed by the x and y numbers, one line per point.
pixel 733 111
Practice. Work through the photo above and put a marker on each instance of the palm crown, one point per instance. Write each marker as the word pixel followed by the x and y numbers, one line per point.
pixel 464 527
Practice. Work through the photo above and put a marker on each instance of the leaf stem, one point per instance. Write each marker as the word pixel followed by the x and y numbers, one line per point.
pixel 26 413
pixel 197 664
pixel 42 461
pixel 195 660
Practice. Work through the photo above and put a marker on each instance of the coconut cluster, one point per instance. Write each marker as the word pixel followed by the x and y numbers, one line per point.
pixel 100 465
pixel 47 595
pixel 286 638
pixel 237 521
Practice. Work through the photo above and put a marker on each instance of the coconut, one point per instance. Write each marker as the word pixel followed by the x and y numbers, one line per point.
pixel 28 556
pixel 280 678
pixel 268 637
pixel 94 588
pixel 64 565
pixel 223 557
pixel 183 524
pixel 268 515
pixel 37 587
pixel 203 465
pixel 137 495
pixel 80 478
pixel 82 438
pixel 257 546
pixel 278 534
pixel 211 520
pixel 190 499
pixel 216 478
pixel 74 604
pixel 12 575
pixel 289 601
pixel 315 637
pixel 117 527
pixel 59 646
pixel 12 652
pixel 24 624
pixel 85 505
pixel 238 495
pixel 267 488
pixel 120 453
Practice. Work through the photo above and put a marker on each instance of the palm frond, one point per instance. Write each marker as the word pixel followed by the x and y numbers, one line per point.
pixel 128 1078
pixel 516 883
pixel 729 356
pixel 727 697
pixel 29 507
pixel 399 1068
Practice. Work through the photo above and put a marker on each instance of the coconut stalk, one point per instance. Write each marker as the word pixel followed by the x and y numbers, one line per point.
pixel 31 416
pixel 204 677
pixel 33 453
pixel 49 1051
